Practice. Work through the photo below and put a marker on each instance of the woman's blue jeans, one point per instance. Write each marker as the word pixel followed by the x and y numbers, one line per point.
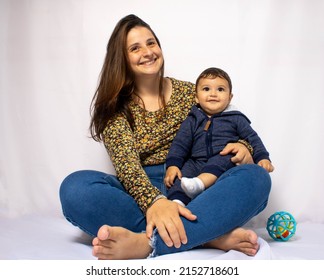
pixel 91 199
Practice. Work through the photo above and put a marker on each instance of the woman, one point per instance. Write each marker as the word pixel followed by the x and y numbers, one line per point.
pixel 136 112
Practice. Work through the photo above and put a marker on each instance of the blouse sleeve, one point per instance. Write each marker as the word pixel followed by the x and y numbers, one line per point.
pixel 120 145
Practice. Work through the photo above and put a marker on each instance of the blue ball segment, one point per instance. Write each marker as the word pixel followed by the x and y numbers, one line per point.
pixel 281 226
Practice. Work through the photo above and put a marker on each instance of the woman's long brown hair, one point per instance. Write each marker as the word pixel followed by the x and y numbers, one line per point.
pixel 116 80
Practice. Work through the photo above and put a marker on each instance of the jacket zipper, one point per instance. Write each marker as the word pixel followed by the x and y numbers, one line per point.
pixel 208 138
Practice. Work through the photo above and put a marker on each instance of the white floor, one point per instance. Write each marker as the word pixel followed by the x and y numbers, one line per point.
pixel 53 238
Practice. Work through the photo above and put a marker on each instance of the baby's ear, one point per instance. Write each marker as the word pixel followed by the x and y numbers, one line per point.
pixel 197 101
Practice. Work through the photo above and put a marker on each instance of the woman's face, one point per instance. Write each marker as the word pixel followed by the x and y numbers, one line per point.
pixel 144 54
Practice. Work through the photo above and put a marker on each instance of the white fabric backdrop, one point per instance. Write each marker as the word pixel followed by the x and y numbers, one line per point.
pixel 51 53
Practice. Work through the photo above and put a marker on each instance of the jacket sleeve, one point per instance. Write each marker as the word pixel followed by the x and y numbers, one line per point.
pixel 120 145
pixel 246 132
pixel 181 145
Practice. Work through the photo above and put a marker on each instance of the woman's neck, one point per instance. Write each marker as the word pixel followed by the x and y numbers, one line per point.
pixel 148 92
pixel 148 87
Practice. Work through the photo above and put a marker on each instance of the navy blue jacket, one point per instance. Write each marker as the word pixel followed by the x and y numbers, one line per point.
pixel 201 137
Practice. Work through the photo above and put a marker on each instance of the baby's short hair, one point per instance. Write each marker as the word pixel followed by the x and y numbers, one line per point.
pixel 213 73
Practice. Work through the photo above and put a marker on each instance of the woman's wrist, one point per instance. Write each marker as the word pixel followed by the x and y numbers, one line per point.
pixel 160 196
pixel 247 145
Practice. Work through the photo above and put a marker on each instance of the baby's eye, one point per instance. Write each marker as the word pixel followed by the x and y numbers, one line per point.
pixel 220 89
pixel 205 88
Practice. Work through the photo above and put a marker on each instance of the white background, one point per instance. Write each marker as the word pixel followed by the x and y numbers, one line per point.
pixel 51 53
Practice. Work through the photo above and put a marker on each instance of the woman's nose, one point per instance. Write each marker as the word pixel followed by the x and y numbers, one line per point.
pixel 147 51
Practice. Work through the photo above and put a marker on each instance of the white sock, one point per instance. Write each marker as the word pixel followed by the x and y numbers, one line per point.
pixel 192 186
pixel 179 202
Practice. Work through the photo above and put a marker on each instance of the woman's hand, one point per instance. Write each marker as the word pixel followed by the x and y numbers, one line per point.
pixel 242 154
pixel 165 216
pixel 171 173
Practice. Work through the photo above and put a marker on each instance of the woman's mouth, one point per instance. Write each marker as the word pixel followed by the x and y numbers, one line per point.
pixel 148 62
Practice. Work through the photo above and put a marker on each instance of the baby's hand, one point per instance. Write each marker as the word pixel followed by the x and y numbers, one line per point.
pixel 266 164
pixel 171 173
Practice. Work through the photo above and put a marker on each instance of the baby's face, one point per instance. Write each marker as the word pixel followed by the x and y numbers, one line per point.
pixel 213 95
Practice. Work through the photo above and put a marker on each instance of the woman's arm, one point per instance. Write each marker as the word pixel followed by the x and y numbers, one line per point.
pixel 120 144
pixel 160 213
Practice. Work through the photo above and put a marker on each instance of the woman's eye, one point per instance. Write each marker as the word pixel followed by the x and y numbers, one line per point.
pixel 151 43
pixel 134 49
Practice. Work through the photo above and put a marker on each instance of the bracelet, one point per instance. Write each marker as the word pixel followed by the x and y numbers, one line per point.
pixel 247 145
pixel 157 198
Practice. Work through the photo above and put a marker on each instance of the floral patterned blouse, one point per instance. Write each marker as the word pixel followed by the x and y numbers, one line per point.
pixel 148 143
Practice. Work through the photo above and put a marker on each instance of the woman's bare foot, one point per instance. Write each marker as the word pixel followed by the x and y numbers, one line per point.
pixel 117 243
pixel 242 240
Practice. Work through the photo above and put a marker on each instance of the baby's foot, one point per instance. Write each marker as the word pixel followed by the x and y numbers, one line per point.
pixel 192 186
pixel 179 202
